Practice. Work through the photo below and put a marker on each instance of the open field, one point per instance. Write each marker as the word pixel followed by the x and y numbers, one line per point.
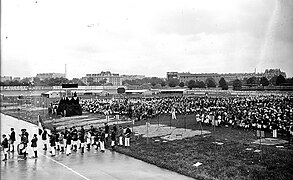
pixel 227 153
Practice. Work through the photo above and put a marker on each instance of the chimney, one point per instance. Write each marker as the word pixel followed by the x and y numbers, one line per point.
pixel 65 71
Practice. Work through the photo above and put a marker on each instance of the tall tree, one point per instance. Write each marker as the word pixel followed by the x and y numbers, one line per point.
pixel 157 86
pixel 202 84
pixel 103 81
pixel 191 84
pixel 237 85
pixel 154 80
pixel 223 84
pixel 210 82
pixel 273 80
pixel 153 83
pixel 173 82
pixel 181 84
pixel 145 86
pixel 252 81
pixel 25 81
pixel 289 81
pixel 264 81
pixel 109 84
pixel 163 83
pixel 280 80
pixel 36 81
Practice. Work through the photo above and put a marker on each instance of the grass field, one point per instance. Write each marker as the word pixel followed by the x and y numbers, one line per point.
pixel 228 161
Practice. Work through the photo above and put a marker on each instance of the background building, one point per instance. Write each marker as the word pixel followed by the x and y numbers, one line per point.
pixel 43 76
pixel 185 77
pixel 103 78
pixel 6 78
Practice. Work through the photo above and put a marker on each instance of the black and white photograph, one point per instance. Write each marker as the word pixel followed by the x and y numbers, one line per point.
pixel 146 90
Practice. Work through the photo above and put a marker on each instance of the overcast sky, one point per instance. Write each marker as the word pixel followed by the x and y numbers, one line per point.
pixel 145 37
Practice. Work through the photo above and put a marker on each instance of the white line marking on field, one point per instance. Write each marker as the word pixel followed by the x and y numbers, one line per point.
pixel 66 167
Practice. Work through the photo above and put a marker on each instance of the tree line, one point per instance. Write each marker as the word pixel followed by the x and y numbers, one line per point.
pixel 46 82
pixel 263 81
pixel 157 83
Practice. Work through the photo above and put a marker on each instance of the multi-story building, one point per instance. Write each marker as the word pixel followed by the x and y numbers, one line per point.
pixel 105 77
pixel 43 76
pixel 185 77
pixel 6 78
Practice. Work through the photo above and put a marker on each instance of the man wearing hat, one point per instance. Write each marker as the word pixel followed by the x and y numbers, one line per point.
pixel 5 146
pixel 12 139
pixel 34 145
pixel 44 139
pixel 23 141
pixel 127 136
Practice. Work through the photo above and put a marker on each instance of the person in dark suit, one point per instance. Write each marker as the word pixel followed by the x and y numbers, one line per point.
pixel 113 139
pixel 44 139
pixel 102 141
pixel 5 146
pixel 74 99
pixel 34 145
pixel 107 128
pixel 81 138
pixel 12 139
pixel 53 144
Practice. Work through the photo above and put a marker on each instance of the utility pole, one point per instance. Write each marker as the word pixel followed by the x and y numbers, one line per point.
pixel 147 124
pixel 185 120
pixel 158 121
pixel 170 121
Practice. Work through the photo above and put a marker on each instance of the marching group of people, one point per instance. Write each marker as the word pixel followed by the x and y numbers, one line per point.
pixel 69 140
pixel 271 112
pixel 9 146
pixel 72 139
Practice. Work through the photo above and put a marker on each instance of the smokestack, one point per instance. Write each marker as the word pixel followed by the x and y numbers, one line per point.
pixel 65 71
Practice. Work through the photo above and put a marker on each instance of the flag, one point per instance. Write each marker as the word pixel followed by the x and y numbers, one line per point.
pixel 40 127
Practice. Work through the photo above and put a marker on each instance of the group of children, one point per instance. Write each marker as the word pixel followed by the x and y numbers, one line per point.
pixel 8 144
pixel 70 139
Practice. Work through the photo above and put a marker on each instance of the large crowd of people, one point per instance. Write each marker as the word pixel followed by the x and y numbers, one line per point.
pixel 267 113
pixel 271 112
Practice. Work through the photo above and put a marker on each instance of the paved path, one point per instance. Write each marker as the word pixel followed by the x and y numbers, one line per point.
pixel 90 165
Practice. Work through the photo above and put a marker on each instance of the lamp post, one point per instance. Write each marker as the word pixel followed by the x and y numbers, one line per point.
pixel 18 109
pixel 147 124
pixel 158 120
pixel 43 108
pixel 185 120
pixel 170 120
